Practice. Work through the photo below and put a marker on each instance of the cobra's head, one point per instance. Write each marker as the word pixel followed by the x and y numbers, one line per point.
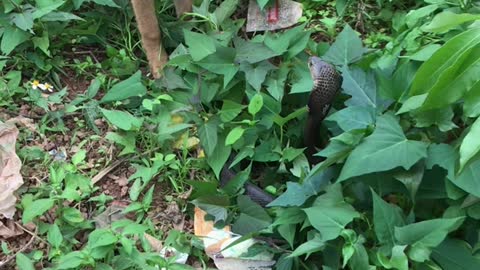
pixel 316 65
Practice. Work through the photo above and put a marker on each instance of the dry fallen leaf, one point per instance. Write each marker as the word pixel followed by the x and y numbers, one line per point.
pixel 10 164
pixel 9 229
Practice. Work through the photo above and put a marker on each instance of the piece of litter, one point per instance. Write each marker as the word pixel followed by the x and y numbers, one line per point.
pixel 287 14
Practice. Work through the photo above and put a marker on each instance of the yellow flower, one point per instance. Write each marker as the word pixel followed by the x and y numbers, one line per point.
pixel 35 84
pixel 48 87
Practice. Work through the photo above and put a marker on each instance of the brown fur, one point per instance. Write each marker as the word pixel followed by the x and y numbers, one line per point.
pixel 150 33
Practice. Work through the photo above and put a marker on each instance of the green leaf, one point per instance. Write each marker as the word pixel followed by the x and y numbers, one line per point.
pixel 110 3
pixel 287 231
pixel 331 220
pixel 262 3
pixel 252 52
pixel 23 262
pixel 230 110
pixel 302 80
pixel 199 45
pixel 42 43
pixel 126 140
pixel 468 179
pixel 414 16
pixel 72 215
pixel 125 89
pixel 256 104
pixel 297 194
pixel 471 105
pixel 385 149
pixel 208 135
pixel 59 16
pixel 446 60
pixel 253 217
pixel 219 156
pixel 446 20
pixel 451 87
pixel 221 62
pixel 453 254
pixel 122 119
pixel 35 209
pixel 398 260
pixel 225 10
pixel 361 86
pixel 412 103
pixel 100 238
pixel 12 37
pixel 54 236
pixel 470 144
pixel 442 155
pixel 255 74
pixel 425 53
pixel 214 205
pixel 71 260
pixel 353 117
pixel 23 20
pixel 442 118
pixel 346 49
pixel 311 246
pixel 234 135
pixel 425 235
pixel 385 218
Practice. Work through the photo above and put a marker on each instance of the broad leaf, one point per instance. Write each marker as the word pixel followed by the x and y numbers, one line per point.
pixel 470 144
pixel 346 49
pixel 468 179
pixel 23 262
pixel 125 89
pixel 199 45
pixel 122 119
pixel 385 218
pixel 35 209
pixel 444 61
pixel 221 62
pixel 425 235
pixel 442 118
pixel 453 254
pixel 253 217
pixel 361 86
pixel 12 37
pixel 252 52
pixel 219 156
pixel 255 74
pixel 230 110
pixel 385 149
pixel 311 246
pixel 447 20
pixel 208 135
pixel 354 117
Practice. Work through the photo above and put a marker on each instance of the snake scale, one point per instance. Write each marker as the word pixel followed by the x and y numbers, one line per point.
pixel 326 84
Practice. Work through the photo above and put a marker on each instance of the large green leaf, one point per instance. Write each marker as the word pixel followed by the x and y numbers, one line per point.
pixel 302 80
pixel 453 254
pixel 122 119
pixel 470 144
pixel 255 74
pixel 330 213
pixel 385 149
pixel 451 87
pixel 253 217
pixel 468 179
pixel 471 105
pixel 425 235
pixel 252 52
pixel 130 87
pixel 208 135
pixel 199 45
pixel 35 209
pixel 297 194
pixel 354 117
pixel 346 49
pixel 361 86
pixel 446 60
pixel 447 20
pixel 221 62
pixel 313 245
pixel 385 218
pixel 219 156
pixel 12 37
pixel 442 118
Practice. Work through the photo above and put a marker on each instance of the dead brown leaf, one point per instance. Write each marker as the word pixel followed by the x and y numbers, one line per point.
pixel 10 164
pixel 9 229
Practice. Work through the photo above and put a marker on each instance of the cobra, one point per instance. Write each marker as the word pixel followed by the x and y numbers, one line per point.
pixel 326 84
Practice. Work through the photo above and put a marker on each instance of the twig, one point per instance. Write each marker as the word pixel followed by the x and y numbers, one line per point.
pixel 30 242
pixel 34 234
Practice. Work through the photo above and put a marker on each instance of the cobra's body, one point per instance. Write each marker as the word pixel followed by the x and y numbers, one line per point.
pixel 326 83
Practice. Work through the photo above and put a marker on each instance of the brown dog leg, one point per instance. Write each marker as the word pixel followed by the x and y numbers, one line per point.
pixel 150 33
pixel 182 6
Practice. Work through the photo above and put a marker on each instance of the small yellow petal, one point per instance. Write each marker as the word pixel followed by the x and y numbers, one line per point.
pixel 201 154
pixel 177 119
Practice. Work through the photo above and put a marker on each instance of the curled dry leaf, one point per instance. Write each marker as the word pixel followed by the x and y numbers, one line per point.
pixel 23 121
pixel 10 164
pixel 9 229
